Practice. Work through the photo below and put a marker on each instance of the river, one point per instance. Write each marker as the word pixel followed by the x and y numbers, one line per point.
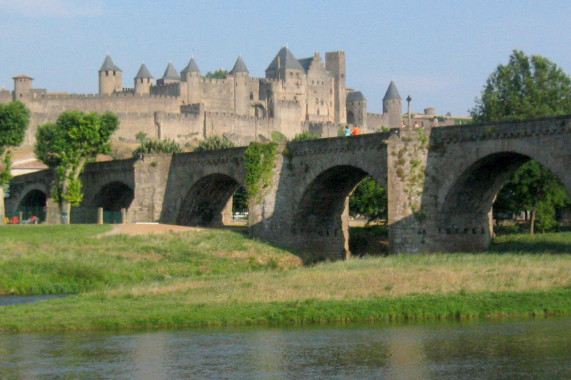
pixel 491 349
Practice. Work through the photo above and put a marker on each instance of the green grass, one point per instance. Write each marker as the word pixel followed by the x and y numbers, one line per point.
pixel 72 259
pixel 96 311
pixel 554 242
pixel 221 277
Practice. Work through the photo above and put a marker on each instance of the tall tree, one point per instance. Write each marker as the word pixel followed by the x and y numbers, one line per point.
pixel 14 120
pixel 67 145
pixel 528 87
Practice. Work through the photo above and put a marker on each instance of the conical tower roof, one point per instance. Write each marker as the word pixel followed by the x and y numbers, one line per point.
pixel 392 92
pixel 108 65
pixel 239 66
pixel 192 67
pixel 143 73
pixel 171 73
pixel 356 96
pixel 285 59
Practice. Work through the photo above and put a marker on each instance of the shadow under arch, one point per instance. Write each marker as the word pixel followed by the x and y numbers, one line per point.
pixel 320 220
pixel 114 196
pixel 465 214
pixel 33 203
pixel 205 201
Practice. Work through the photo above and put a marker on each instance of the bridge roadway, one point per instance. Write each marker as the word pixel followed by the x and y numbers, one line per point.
pixel 441 184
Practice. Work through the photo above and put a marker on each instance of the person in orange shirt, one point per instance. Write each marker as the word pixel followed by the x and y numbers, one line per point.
pixel 356 131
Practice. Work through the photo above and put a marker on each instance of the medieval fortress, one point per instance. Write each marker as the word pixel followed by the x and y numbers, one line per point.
pixel 296 95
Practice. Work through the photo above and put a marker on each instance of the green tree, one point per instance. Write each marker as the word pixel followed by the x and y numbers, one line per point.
pixel 527 87
pixel 218 74
pixel 369 199
pixel 213 143
pixel 157 146
pixel 533 188
pixel 67 145
pixel 14 120
pixel 278 137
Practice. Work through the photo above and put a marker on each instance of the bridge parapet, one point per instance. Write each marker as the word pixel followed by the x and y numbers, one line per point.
pixel 340 144
pixel 502 130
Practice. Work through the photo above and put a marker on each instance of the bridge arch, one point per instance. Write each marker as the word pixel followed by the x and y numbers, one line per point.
pixel 320 220
pixel 113 196
pixel 206 200
pixel 33 203
pixel 464 215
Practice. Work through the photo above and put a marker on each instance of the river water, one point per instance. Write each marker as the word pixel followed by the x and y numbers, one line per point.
pixel 512 349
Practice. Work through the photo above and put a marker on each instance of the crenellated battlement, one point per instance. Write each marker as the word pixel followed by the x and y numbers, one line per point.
pixel 178 116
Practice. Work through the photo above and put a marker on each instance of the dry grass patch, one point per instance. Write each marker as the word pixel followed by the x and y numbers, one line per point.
pixel 372 278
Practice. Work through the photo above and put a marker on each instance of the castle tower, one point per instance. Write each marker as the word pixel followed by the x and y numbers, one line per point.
pixel 170 75
pixel 335 64
pixel 357 109
pixel 191 75
pixel 110 77
pixel 143 81
pixel 285 67
pixel 22 87
pixel 241 93
pixel 392 106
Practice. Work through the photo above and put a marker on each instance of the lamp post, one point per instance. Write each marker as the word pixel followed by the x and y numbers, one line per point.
pixel 408 99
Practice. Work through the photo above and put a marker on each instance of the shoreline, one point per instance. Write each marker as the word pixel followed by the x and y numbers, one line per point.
pixel 99 315
pixel 210 277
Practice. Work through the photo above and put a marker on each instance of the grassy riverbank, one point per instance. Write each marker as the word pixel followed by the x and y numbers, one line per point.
pixel 218 277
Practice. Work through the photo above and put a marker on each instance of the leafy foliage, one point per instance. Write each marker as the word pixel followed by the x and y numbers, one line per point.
pixel 218 74
pixel 260 162
pixel 533 187
pixel 527 87
pixel 141 136
pixel 369 199
pixel 6 173
pixel 277 136
pixel 68 144
pixel 14 120
pixel 304 136
pixel 213 143
pixel 157 146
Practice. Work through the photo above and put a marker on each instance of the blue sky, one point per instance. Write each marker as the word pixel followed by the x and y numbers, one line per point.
pixel 439 52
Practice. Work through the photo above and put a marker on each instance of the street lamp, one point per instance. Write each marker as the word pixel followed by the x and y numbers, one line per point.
pixel 408 99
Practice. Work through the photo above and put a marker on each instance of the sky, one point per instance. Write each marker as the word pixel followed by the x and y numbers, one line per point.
pixel 438 52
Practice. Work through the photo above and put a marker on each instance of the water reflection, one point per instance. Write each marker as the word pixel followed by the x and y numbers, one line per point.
pixel 480 350
pixel 20 300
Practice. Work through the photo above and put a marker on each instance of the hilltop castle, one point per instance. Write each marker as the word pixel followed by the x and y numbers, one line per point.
pixel 296 95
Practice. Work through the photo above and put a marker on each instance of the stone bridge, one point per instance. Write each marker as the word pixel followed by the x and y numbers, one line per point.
pixel 441 184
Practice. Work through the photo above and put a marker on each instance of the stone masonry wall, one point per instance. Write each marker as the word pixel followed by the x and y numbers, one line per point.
pixel 407 157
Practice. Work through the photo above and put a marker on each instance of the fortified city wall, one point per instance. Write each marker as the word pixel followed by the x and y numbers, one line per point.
pixel 308 94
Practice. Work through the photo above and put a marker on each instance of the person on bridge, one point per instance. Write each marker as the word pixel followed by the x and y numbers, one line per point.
pixel 356 131
pixel 347 131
